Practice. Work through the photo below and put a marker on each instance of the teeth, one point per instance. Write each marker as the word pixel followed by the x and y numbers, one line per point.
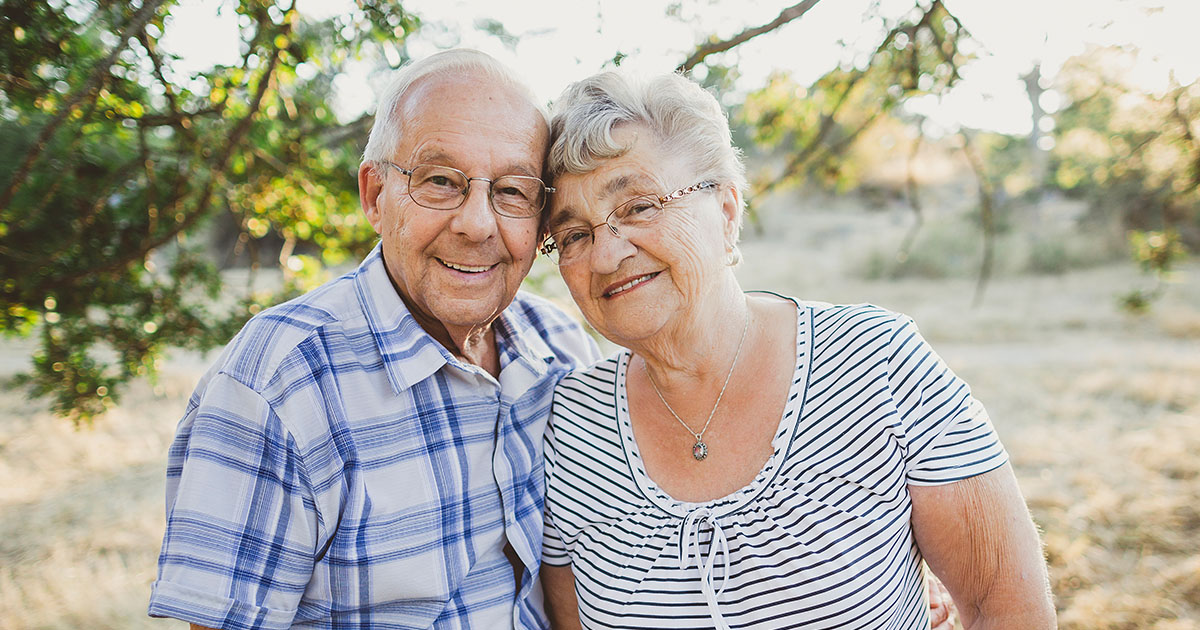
pixel 466 268
pixel 631 284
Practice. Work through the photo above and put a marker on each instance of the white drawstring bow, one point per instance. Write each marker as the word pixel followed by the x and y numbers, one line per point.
pixel 689 539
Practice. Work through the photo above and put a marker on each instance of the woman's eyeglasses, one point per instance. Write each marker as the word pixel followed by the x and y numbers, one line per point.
pixel 574 243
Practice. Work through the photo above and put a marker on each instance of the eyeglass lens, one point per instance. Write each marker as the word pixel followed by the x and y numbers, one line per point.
pixel 445 188
pixel 573 243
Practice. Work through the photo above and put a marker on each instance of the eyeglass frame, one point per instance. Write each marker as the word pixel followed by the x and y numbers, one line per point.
pixel 466 191
pixel 550 243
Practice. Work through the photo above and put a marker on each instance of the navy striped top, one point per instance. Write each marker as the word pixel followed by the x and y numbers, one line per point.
pixel 819 539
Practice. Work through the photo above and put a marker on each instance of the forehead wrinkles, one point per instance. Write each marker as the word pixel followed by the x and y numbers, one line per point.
pixel 448 120
pixel 609 194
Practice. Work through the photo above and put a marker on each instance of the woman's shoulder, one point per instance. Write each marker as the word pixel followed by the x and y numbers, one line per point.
pixel 826 316
pixel 858 310
pixel 596 381
pixel 829 311
pixel 604 370
pixel 585 407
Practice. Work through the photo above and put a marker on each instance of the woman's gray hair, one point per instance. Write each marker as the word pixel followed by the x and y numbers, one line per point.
pixel 685 118
pixel 387 128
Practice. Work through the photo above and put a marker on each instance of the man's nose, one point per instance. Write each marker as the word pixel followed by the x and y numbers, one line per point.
pixel 475 218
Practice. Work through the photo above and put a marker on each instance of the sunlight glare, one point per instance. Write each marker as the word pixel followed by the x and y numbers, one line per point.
pixel 557 42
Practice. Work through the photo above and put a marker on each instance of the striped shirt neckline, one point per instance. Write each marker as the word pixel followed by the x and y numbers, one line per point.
pixel 736 500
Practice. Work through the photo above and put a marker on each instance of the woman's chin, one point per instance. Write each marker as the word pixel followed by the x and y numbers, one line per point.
pixel 628 331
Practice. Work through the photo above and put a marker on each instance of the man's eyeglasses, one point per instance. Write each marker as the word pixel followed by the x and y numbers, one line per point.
pixel 445 188
pixel 573 243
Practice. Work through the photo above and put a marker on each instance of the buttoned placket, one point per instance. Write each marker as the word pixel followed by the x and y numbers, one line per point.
pixel 527 367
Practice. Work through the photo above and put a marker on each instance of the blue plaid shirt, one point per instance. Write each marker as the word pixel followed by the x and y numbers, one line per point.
pixel 338 468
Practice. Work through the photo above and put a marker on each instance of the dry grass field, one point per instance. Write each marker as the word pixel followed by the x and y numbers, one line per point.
pixel 1100 411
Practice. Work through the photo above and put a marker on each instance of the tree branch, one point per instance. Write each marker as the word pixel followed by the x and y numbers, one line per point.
pixel 205 197
pixel 177 118
pixel 986 215
pixel 1189 138
pixel 135 25
pixel 787 15
pixel 912 192
pixel 827 122
pixel 357 128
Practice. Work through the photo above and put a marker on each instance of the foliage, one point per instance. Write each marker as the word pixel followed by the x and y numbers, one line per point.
pixel 1132 154
pixel 115 163
pixel 814 125
pixel 1156 253
pixel 1136 157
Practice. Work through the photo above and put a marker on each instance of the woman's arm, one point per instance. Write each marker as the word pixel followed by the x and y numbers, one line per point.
pixel 558 583
pixel 977 536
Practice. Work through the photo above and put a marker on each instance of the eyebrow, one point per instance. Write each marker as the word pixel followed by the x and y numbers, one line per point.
pixel 564 216
pixel 620 183
pixel 610 188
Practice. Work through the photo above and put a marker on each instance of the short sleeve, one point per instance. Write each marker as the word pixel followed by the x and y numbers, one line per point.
pixel 554 551
pixel 241 529
pixel 949 436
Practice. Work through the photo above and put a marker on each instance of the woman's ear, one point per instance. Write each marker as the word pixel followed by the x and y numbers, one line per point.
pixel 731 210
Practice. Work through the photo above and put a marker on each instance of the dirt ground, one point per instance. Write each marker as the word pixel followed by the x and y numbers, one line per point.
pixel 1100 411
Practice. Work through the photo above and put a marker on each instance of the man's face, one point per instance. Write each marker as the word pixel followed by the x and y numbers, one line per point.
pixel 457 269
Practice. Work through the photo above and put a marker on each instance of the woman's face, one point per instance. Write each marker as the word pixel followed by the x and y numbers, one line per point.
pixel 644 281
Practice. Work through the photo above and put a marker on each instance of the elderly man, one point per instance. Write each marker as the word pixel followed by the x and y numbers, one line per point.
pixel 369 454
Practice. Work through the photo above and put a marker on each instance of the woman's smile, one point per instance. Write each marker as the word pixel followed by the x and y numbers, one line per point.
pixel 622 287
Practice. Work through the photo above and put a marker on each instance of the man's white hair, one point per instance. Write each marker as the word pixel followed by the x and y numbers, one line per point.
pixel 388 128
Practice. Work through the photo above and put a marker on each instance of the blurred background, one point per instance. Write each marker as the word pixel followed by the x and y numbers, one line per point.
pixel 1023 178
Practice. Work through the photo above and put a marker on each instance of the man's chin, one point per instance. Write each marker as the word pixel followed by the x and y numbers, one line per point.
pixel 468 312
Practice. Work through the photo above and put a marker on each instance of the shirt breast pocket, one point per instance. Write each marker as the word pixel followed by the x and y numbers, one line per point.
pixel 392 548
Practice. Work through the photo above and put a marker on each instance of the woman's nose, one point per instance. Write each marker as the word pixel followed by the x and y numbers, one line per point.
pixel 609 248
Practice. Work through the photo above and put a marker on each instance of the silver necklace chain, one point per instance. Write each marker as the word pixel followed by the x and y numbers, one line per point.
pixel 700 449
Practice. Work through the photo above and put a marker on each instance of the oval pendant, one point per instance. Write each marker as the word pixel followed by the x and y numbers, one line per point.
pixel 700 450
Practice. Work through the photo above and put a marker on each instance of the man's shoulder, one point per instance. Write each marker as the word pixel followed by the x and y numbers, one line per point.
pixel 255 355
pixel 560 330
pixel 541 312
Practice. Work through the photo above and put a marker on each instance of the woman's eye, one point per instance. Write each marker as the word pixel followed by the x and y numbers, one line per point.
pixel 572 237
pixel 635 208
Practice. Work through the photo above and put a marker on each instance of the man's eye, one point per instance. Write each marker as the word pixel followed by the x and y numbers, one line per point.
pixel 440 180
pixel 511 192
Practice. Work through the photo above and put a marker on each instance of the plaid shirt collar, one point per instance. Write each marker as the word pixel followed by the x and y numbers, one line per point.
pixel 410 355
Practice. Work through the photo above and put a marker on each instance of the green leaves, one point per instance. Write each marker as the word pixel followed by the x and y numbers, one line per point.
pixel 114 173
pixel 1135 157
pixel 812 126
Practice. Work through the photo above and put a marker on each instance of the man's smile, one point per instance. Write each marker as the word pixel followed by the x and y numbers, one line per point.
pixel 466 268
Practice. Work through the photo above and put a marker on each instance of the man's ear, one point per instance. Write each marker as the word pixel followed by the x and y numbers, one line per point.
pixel 370 189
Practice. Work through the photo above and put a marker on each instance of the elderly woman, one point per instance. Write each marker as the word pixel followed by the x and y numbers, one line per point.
pixel 751 460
